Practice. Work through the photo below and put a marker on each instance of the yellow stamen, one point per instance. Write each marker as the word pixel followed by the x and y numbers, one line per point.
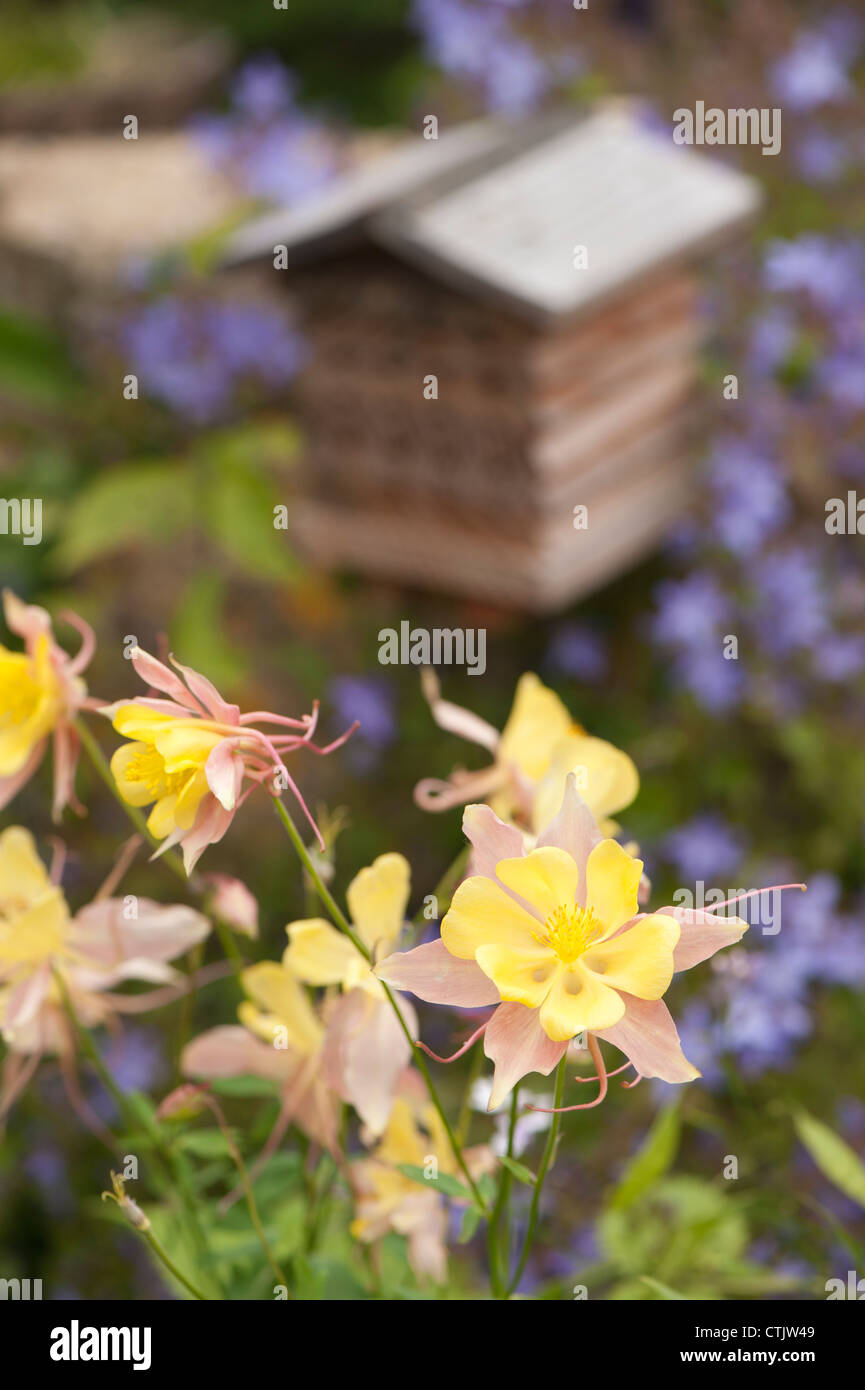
pixel 148 768
pixel 570 931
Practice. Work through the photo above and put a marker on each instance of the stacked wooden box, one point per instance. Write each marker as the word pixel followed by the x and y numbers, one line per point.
pixel 558 386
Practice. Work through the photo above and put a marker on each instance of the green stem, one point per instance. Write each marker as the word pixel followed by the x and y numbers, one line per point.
pixel 317 1204
pixel 546 1164
pixel 171 1267
pixel 173 1176
pixel 252 1206
pixel 321 888
pixel 345 926
pixel 464 1119
pixel 498 1258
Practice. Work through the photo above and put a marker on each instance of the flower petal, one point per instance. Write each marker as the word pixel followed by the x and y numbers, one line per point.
pixel 639 960
pixel 536 723
pixel 275 990
pixel 702 934
pixel 365 1054
pixel 521 977
pixel 578 1001
pixel 160 677
pixel 648 1037
pixel 431 973
pixel 208 695
pixel 574 830
pixel 612 884
pixel 377 899
pixel 224 772
pixel 113 947
pixel 492 839
pixel 234 903
pixel 317 953
pixel 232 1051
pixel 545 879
pixel 11 784
pixel 516 1044
pixel 22 873
pixel 607 777
pixel 482 913
pixel 210 825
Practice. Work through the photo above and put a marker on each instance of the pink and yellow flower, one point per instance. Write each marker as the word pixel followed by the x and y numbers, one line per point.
pixel 387 1200
pixel 366 1049
pixel 45 952
pixel 281 1040
pixel 538 748
pixel 41 693
pixel 189 756
pixel 554 937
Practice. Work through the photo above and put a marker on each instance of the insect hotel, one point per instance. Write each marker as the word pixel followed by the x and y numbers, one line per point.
pixel 504 331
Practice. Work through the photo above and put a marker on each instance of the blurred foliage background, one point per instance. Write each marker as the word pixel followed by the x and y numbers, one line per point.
pixel 157 525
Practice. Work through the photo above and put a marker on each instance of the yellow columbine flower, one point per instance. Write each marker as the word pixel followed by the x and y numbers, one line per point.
pixel 189 755
pixel 34 917
pixel 387 1200
pixel 367 1048
pixel 560 953
pixel 31 699
pixel 164 765
pixel 278 1009
pixel 281 1041
pixel 543 744
pixel 41 693
pixel 90 952
pixel 538 748
pixel 377 899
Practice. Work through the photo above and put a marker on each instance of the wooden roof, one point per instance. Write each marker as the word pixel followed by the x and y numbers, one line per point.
pixel 497 210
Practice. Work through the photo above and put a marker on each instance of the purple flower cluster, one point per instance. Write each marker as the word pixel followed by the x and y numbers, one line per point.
pixel 369 699
pixel 782 597
pixel 576 650
pixel 758 1009
pixel 692 618
pixel 814 71
pixel 478 43
pixel 192 355
pixel 704 848
pixel 266 142
pixel 762 568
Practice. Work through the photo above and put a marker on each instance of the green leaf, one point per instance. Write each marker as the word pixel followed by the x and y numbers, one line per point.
pixel 451 1187
pixel 199 638
pixel 518 1170
pixel 240 519
pixel 662 1290
pixel 471 1221
pixel 143 1107
pixel 33 364
pixel 651 1162
pixel 124 507
pixel 487 1187
pixel 204 1143
pixel 835 1159
pixel 253 1087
